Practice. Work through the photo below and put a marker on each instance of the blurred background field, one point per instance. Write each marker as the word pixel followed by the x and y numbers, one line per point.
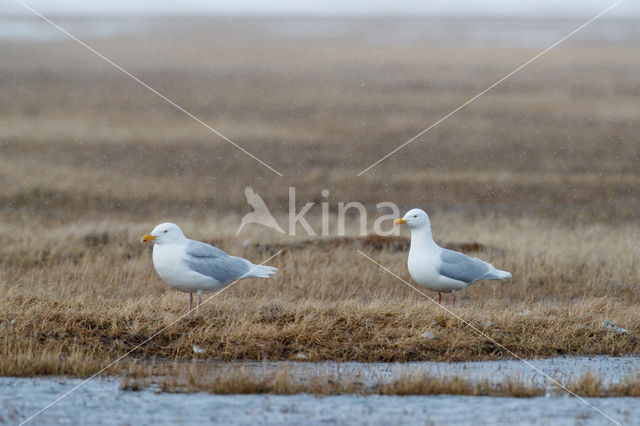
pixel 320 100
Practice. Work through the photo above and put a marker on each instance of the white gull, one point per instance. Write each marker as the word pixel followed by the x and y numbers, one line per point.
pixel 440 269
pixel 196 267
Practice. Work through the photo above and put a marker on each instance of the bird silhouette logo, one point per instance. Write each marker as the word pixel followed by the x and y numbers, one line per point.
pixel 260 213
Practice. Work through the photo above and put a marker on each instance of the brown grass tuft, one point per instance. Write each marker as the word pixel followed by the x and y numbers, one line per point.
pixel 238 379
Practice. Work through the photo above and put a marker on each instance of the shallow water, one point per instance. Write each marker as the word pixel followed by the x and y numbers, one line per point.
pixel 518 32
pixel 101 401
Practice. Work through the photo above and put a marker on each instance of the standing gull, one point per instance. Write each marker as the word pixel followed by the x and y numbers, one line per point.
pixel 440 269
pixel 192 266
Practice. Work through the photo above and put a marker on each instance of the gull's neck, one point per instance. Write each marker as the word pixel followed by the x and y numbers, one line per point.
pixel 421 239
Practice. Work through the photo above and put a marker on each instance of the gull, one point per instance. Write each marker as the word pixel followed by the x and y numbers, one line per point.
pixel 193 266
pixel 440 269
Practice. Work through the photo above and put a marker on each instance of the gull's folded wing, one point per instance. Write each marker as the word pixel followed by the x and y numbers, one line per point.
pixel 459 266
pixel 215 263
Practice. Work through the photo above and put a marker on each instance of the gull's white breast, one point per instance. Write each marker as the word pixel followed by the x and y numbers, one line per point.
pixel 424 265
pixel 168 259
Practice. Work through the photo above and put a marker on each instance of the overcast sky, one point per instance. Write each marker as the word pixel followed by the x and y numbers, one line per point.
pixel 546 8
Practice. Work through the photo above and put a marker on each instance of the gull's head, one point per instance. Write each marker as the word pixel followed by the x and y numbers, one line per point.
pixel 415 219
pixel 165 233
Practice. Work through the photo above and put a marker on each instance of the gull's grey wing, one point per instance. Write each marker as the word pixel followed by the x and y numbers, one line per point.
pixel 215 263
pixel 459 266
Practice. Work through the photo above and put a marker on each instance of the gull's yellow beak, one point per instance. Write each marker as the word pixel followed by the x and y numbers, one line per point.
pixel 399 221
pixel 148 238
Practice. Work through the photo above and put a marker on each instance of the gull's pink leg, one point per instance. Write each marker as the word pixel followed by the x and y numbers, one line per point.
pixel 190 301
pixel 454 297
pixel 199 302
pixel 439 297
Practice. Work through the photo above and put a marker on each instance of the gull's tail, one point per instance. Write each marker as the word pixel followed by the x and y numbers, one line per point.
pixel 261 271
pixel 497 274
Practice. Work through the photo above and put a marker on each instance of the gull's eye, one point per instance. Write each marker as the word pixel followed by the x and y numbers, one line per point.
pixel 415 215
pixel 166 230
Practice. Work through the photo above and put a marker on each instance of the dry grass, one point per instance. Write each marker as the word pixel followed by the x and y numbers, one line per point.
pixel 590 385
pixel 237 379
pixel 240 381
pixel 539 177
pixel 100 297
